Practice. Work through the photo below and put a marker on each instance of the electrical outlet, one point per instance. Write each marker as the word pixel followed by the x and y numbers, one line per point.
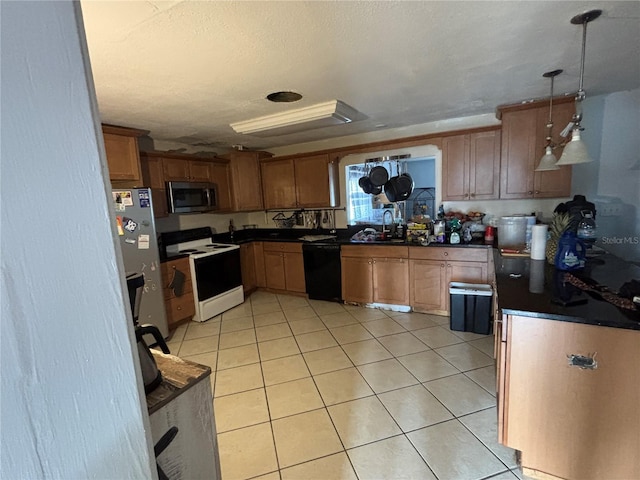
pixel 610 210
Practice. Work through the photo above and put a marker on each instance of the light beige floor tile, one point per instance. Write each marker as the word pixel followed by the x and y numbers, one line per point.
pixel 264 308
pixel 294 314
pixel 469 336
pixel 209 359
pixel 392 458
pixel 453 453
pixel 341 319
pixel 444 321
pixel 464 357
pixel 361 421
pixel 460 395
pixel 326 308
pixel 427 366
pixel 326 360
pixel 413 321
pixel 272 318
pixel 292 301
pixel 307 325
pixel 268 476
pixel 485 377
pixel 504 476
pixel 238 356
pixel 198 345
pixel 387 375
pixel 485 345
pixel 436 337
pixel 382 327
pixel 242 310
pixel 173 345
pixel 263 297
pixel 414 407
pixel 240 410
pixel 235 324
pixel 333 467
pixel 403 344
pixel 237 339
pixel 239 379
pixel 284 369
pixel 350 334
pixel 294 397
pixel 341 386
pixel 368 314
pixel 484 425
pixel 202 329
pixel 178 334
pixel 315 341
pixel 282 347
pixel 518 473
pixel 368 351
pixel 247 452
pixel 273 332
pixel 305 437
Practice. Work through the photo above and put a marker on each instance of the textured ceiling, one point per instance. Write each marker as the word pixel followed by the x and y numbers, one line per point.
pixel 186 70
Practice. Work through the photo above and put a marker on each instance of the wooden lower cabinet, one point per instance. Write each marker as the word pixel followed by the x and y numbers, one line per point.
pixel 248 267
pixel 258 255
pixel 284 266
pixel 432 269
pixel 570 422
pixel 179 305
pixel 375 274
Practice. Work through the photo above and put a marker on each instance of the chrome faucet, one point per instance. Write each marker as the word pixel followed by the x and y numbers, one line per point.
pixel 383 215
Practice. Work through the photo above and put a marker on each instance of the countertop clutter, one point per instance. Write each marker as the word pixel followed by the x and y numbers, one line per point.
pixel 533 288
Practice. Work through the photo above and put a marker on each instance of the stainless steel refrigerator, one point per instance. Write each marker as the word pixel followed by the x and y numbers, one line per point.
pixel 138 241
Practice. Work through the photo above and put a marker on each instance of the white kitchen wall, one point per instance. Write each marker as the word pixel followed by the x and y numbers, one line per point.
pixel 612 126
pixel 72 403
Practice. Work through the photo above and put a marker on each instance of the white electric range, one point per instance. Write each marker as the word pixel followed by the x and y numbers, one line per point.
pixel 215 270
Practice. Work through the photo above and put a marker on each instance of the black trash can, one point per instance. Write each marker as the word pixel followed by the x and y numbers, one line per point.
pixel 470 307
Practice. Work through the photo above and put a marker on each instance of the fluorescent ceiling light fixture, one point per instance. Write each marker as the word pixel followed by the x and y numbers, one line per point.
pixel 320 115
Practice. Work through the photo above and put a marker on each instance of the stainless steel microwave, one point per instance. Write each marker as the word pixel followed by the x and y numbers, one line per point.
pixel 191 197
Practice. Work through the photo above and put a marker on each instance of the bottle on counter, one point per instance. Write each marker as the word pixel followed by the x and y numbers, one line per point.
pixel 232 229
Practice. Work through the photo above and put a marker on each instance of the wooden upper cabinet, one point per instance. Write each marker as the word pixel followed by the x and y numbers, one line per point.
pixel 316 181
pixel 524 130
pixel 471 165
pixel 245 178
pixel 179 169
pixel 121 147
pixel 309 181
pixel 153 177
pixel 221 175
pixel 278 184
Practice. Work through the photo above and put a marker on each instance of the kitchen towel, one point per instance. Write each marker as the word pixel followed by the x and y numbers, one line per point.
pixel 538 241
pixel 177 283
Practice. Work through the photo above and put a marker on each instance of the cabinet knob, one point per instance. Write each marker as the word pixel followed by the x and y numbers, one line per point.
pixel 466 195
pixel 537 192
pixel 173 266
pixel 442 265
pixel 179 308
pixel 374 261
pixel 530 192
pixel 473 195
pixel 446 254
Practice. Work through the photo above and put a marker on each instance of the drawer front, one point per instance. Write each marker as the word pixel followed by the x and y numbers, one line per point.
pixel 169 293
pixel 375 251
pixel 280 247
pixel 444 253
pixel 179 308
pixel 181 264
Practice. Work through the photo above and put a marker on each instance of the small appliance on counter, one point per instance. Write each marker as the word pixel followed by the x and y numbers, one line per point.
pixel 151 375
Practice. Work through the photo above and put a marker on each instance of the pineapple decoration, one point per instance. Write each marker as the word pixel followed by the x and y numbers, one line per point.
pixel 558 226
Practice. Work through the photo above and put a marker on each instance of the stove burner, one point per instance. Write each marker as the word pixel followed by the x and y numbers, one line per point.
pixel 188 250
pixel 211 245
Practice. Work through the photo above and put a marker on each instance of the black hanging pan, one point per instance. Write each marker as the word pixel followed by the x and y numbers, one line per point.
pixel 378 176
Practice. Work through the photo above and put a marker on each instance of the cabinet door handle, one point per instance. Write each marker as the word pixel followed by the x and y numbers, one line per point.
pixel 584 362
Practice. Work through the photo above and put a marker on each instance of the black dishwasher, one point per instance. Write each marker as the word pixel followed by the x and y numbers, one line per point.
pixel 322 272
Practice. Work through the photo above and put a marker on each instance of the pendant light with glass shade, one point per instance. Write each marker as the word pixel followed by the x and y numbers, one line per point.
pixel 549 160
pixel 575 151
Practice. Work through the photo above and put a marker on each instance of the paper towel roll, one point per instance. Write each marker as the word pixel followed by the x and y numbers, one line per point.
pixel 538 241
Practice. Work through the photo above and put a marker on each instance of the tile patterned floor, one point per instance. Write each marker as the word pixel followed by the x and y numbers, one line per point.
pixel 305 389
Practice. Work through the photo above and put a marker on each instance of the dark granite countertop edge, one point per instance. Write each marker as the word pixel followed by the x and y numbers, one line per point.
pixel 571 319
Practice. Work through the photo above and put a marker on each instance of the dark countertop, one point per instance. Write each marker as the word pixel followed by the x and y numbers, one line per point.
pixel 531 295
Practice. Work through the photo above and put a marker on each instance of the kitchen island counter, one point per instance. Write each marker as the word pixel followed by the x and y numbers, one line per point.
pixel 533 288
